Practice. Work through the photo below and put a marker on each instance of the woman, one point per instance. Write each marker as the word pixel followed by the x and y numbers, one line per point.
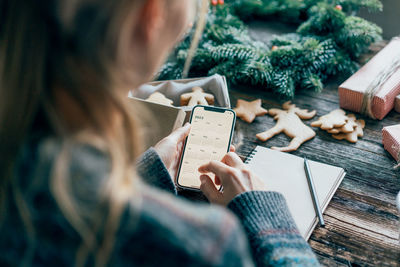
pixel 73 189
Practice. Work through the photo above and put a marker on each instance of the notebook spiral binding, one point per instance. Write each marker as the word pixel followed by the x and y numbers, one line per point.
pixel 250 156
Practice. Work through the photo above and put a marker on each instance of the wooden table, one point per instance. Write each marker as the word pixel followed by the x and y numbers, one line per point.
pixel 362 222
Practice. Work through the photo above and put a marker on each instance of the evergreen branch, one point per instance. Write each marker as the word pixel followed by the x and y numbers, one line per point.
pixel 357 35
pixel 324 19
pixel 234 52
pixel 327 43
pixel 283 85
pixel 170 71
pixel 313 83
pixel 355 5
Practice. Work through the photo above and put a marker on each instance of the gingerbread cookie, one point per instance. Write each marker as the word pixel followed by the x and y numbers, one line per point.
pixel 347 128
pixel 159 98
pixel 334 119
pixel 197 97
pixel 248 111
pixel 353 136
pixel 289 122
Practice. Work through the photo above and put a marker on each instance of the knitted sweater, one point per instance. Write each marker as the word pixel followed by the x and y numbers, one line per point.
pixel 157 227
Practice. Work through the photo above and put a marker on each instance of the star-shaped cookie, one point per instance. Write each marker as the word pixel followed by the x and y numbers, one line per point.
pixel 159 98
pixel 248 111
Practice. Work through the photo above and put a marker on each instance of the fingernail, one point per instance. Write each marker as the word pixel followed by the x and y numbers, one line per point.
pixel 186 124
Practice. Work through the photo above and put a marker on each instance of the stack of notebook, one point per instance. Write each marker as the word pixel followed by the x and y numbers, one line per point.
pixel 285 173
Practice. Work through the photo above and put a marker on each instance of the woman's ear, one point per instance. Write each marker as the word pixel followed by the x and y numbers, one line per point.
pixel 151 18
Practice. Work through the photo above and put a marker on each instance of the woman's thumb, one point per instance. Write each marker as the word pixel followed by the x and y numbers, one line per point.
pixel 182 132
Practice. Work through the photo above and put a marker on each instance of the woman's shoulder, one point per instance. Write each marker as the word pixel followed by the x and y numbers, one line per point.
pixel 74 155
pixel 174 229
pixel 50 166
pixel 44 159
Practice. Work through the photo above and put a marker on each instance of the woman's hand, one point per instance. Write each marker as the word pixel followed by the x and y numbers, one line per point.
pixel 170 148
pixel 234 177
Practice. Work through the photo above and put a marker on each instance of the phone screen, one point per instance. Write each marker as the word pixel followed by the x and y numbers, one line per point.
pixel 209 139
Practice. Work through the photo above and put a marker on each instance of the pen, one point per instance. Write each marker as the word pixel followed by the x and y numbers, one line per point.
pixel 313 192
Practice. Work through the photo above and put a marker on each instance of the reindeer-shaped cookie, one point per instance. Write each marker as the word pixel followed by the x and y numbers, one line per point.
pixel 289 122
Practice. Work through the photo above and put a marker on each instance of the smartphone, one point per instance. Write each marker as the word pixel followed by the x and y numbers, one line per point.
pixel 209 139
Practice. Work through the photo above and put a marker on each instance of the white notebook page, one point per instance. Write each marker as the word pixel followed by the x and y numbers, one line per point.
pixel 285 173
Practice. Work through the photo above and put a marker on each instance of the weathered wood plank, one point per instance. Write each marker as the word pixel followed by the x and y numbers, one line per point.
pixel 345 241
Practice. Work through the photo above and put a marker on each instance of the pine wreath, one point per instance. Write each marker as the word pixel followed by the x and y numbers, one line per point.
pixel 327 43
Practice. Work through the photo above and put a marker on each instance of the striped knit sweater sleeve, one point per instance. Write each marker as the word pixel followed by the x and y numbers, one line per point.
pixel 153 171
pixel 273 236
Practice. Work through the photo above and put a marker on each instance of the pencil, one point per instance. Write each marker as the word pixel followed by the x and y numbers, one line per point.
pixel 313 192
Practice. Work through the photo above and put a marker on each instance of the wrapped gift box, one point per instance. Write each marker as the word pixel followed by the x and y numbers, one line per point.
pixel 391 140
pixel 351 92
pixel 164 119
pixel 397 104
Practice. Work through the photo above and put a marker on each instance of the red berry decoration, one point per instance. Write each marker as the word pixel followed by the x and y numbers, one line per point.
pixel 221 2
pixel 214 2
pixel 339 7
pixel 273 48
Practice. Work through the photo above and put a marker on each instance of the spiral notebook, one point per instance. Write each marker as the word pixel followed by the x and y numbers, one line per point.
pixel 284 173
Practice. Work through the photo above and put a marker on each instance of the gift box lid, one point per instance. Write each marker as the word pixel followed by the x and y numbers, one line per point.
pixel 397 104
pixel 363 78
pixel 383 72
pixel 391 140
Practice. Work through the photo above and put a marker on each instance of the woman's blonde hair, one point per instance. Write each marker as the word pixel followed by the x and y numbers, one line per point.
pixel 69 46
pixel 48 45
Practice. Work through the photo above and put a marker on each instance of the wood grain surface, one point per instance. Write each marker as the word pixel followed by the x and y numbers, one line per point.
pixel 362 222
